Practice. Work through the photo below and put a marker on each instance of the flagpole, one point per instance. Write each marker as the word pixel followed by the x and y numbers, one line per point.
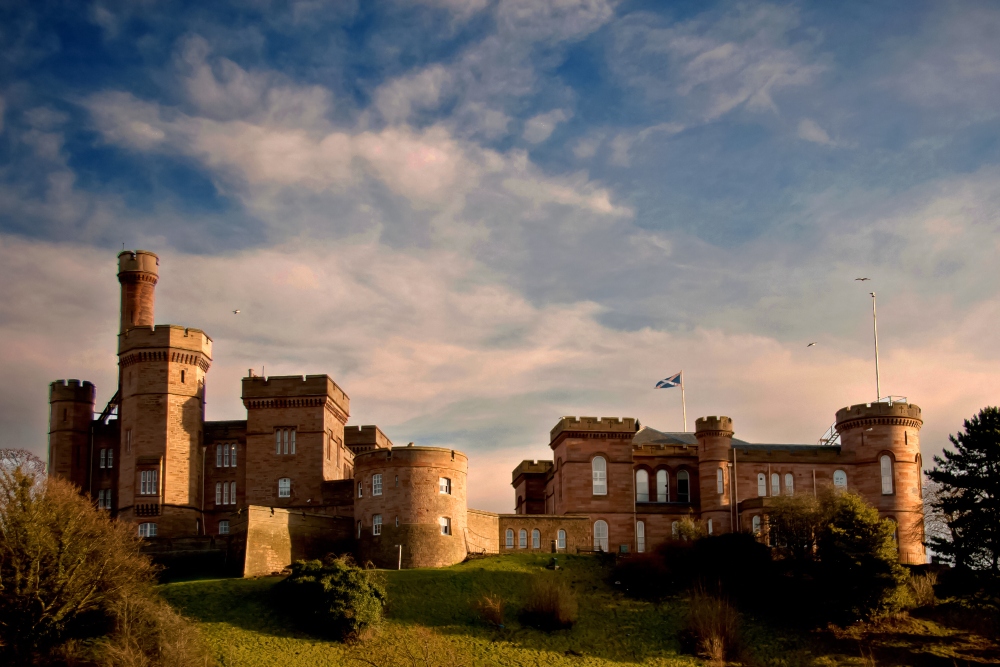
pixel 878 390
pixel 684 409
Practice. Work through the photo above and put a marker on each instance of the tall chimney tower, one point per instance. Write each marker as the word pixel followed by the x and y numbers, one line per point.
pixel 138 271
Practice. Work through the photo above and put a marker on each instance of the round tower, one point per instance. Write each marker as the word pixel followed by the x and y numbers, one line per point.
pixel 71 411
pixel 715 444
pixel 414 498
pixel 138 271
pixel 883 442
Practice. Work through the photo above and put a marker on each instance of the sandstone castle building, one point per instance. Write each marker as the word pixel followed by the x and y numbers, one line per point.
pixel 294 479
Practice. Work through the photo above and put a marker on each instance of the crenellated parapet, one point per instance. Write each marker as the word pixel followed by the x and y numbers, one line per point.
pixel 165 342
pixel 866 415
pixel 72 390
pixel 625 425
pixel 289 391
pixel 527 467
pixel 720 426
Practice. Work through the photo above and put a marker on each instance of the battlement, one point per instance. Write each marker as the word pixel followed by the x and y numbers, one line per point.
pixel 295 386
pixel 531 468
pixel 906 411
pixel 138 261
pixel 720 423
pixel 72 390
pixel 594 424
pixel 363 438
pixel 165 335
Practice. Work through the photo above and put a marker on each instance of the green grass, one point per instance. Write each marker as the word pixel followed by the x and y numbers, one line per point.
pixel 431 621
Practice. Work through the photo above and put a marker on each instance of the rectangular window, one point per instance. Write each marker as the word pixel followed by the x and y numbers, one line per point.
pixel 377 484
pixel 445 525
pixel 225 494
pixel 361 490
pixel 104 499
pixel 218 493
pixel 397 522
pixel 444 485
pixel 640 536
pixel 147 530
pixel 111 458
pixel 232 459
pixel 225 456
pixel 218 456
pixel 284 488
pixel 397 480
pixel 232 493
pixel 377 524
pixel 277 441
pixel 147 483
pixel 104 458
pixel 128 440
pixel 224 527
pixel 284 440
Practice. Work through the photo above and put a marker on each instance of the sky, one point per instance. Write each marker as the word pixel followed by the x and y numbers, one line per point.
pixel 478 216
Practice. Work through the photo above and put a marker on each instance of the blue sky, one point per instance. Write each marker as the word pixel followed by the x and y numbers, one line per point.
pixel 480 215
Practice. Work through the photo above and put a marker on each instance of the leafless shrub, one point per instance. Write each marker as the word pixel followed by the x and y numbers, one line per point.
pixel 489 608
pixel 714 627
pixel 551 605
pixel 922 588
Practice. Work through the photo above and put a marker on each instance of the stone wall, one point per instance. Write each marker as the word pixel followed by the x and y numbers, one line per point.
pixel 482 535
pixel 578 535
pixel 270 539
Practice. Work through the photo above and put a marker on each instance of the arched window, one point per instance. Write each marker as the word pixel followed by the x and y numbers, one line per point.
pixel 561 539
pixel 761 484
pixel 522 539
pixel 600 535
pixel 720 481
pixel 662 486
pixel 683 487
pixel 536 539
pixel 885 461
pixel 640 536
pixel 600 469
pixel 789 484
pixel 709 526
pixel 839 479
pixel 756 524
pixel 641 486
pixel 674 530
pixel 775 484
pixel 510 538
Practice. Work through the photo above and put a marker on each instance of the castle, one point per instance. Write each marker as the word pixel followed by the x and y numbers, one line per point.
pixel 294 480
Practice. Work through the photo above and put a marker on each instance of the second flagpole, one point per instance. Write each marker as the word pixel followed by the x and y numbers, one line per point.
pixel 684 409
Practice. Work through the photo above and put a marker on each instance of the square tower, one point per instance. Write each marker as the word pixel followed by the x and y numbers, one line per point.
pixel 294 439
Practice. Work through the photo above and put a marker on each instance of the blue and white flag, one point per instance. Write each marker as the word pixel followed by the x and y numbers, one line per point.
pixel 672 381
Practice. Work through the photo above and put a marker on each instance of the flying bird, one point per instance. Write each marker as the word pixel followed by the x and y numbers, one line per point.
pixel 236 312
pixel 862 279
pixel 810 344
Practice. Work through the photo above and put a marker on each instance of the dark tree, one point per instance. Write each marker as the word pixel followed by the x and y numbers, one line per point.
pixel 968 499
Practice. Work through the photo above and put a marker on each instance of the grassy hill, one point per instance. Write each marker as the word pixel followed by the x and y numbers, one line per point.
pixel 431 622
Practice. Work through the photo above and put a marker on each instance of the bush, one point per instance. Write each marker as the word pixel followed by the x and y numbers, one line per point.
pixel 149 632
pixel 334 597
pixel 551 605
pixel 64 566
pixel 713 627
pixel 859 565
pixel 489 608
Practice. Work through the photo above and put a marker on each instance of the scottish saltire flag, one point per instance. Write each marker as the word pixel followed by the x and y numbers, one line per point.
pixel 672 381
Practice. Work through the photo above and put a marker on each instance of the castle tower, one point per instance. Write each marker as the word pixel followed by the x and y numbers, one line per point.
pixel 414 497
pixel 71 411
pixel 883 440
pixel 715 445
pixel 295 435
pixel 137 273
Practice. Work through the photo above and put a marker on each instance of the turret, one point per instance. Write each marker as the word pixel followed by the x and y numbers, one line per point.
pixel 138 271
pixel 883 439
pixel 715 444
pixel 71 410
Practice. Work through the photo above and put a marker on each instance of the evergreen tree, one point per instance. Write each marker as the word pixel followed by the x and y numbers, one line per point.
pixel 969 497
